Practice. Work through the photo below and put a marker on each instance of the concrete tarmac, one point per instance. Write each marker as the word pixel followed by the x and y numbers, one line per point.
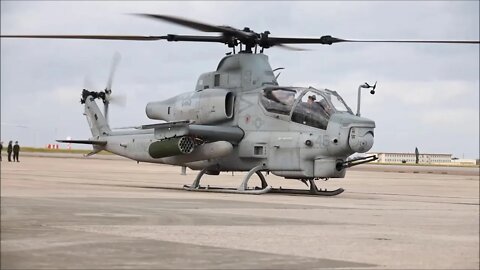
pixel 97 213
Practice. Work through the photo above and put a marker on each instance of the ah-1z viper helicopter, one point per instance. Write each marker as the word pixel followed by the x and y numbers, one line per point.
pixel 239 118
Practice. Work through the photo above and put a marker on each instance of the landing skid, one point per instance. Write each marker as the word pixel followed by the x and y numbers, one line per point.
pixel 253 191
pixel 307 192
pixel 243 188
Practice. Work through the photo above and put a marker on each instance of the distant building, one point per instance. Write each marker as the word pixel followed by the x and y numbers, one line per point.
pixel 384 157
pixel 465 161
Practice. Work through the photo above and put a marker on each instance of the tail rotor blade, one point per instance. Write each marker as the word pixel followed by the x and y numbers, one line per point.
pixel 115 62
pixel 105 110
pixel 118 99
pixel 108 88
pixel 87 83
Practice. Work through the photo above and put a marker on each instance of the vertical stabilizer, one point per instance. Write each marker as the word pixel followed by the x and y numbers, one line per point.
pixel 97 122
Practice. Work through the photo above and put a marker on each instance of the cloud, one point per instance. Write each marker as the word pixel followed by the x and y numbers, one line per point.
pixel 421 93
pixel 452 118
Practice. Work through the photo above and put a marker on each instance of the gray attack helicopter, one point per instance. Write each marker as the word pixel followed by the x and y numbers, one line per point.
pixel 239 118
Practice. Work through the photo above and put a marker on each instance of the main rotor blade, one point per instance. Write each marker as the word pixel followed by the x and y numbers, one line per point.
pixel 172 37
pixel 328 40
pixel 291 48
pixel 191 24
pixel 219 39
pixel 226 30
pixel 419 41
pixel 105 37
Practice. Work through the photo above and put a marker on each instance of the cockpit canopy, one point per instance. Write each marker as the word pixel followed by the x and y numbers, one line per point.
pixel 308 106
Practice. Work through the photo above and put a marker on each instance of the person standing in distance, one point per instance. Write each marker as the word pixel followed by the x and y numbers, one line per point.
pixel 16 151
pixel 9 151
pixel 1 148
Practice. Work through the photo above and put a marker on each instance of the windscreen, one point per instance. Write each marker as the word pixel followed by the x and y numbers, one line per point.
pixel 312 110
pixel 307 106
pixel 337 101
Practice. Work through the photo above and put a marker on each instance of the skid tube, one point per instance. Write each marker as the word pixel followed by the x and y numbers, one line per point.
pixel 243 188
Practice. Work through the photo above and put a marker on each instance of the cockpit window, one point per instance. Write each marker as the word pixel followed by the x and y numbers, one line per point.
pixel 337 101
pixel 307 106
pixel 313 110
pixel 278 100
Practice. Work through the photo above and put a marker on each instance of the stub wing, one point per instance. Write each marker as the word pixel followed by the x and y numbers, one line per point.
pixel 187 128
pixel 182 142
pixel 171 124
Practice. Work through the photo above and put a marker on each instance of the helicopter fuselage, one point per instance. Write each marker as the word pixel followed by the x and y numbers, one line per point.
pixel 293 132
pixel 239 118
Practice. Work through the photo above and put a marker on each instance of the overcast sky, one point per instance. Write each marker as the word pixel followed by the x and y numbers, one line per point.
pixel 427 95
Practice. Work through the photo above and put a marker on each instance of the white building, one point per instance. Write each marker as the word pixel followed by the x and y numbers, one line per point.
pixel 410 158
pixel 465 161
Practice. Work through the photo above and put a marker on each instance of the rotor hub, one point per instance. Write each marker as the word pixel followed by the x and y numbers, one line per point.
pixel 100 95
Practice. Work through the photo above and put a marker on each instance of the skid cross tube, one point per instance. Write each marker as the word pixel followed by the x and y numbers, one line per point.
pixel 243 188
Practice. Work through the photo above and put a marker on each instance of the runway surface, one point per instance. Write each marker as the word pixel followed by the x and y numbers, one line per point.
pixel 70 213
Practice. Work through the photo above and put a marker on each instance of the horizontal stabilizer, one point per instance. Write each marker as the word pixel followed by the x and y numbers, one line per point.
pixel 84 142
pixel 188 128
